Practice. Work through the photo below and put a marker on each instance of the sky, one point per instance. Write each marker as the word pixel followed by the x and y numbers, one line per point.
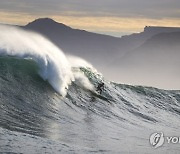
pixel 112 17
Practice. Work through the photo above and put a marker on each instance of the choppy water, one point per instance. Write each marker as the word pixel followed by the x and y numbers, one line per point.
pixel 36 119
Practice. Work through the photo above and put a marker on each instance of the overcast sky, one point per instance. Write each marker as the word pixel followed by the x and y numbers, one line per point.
pixel 115 17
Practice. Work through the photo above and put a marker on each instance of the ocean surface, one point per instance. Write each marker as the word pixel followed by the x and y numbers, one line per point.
pixel 38 117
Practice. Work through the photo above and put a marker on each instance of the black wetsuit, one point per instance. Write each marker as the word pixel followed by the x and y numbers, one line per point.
pixel 100 87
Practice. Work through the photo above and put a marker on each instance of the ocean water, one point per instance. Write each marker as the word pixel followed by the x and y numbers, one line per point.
pixel 36 116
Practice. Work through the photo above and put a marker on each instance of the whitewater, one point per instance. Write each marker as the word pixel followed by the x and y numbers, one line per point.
pixel 53 64
pixel 48 104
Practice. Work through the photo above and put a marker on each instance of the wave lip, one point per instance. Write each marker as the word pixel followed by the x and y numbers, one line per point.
pixel 53 64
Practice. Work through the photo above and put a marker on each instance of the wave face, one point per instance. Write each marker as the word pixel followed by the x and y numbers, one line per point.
pixel 34 118
pixel 54 67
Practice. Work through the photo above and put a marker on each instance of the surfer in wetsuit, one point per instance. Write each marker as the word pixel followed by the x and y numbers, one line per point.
pixel 100 87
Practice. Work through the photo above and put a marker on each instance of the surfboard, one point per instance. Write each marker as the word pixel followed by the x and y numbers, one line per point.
pixel 100 96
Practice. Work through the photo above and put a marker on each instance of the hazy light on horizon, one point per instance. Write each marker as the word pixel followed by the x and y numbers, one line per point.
pixel 116 17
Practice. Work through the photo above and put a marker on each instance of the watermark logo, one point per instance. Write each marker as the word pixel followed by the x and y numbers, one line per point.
pixel 157 139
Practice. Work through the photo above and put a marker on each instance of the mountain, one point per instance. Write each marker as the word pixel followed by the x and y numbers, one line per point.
pixel 155 62
pixel 90 46
pixel 138 39
pixel 136 59
pixel 97 48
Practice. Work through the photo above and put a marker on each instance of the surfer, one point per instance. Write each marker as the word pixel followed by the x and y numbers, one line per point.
pixel 100 87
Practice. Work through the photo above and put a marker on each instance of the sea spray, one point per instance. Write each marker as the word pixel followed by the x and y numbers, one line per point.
pixel 53 64
pixel 80 78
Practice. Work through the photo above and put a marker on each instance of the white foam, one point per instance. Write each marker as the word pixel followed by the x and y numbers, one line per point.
pixel 54 65
pixel 79 76
pixel 52 62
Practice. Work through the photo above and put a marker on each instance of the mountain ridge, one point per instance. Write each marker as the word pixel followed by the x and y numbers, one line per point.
pixel 94 47
pixel 128 59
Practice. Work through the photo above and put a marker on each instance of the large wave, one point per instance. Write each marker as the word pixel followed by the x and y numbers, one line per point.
pixel 119 120
pixel 53 64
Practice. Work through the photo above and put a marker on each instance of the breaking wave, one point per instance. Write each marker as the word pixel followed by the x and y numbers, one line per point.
pixel 52 62
pixel 36 119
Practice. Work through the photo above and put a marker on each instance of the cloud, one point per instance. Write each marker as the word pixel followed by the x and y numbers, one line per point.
pixel 107 25
pixel 118 8
pixel 104 16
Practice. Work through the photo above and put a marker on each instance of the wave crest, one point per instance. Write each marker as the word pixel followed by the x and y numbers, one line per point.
pixel 53 64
